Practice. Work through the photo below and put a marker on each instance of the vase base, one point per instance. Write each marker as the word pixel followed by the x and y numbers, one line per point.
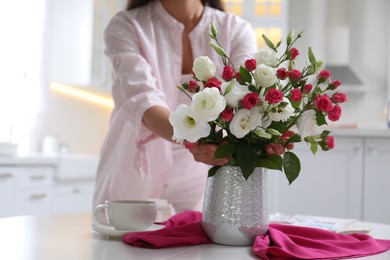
pixel 233 235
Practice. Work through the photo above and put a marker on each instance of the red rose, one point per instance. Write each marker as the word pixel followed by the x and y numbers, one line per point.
pixel 250 100
pixel 330 142
pixel 323 76
pixel 227 114
pixel 193 86
pixel 339 97
pixel 294 74
pixel 286 135
pixel 324 103
pixel 189 145
pixel 250 64
pixel 228 73
pixel 293 53
pixel 295 95
pixel 290 146
pixel 213 83
pixel 274 96
pixel 307 88
pixel 238 77
pixel 282 73
pixel 335 113
pixel 334 84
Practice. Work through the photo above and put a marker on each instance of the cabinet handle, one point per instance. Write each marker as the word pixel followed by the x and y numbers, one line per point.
pixel 37 177
pixel 356 147
pixel 76 190
pixel 38 196
pixel 5 175
pixel 371 147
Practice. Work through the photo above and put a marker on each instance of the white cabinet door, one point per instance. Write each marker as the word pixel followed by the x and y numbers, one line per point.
pixel 7 187
pixel 377 180
pixel 75 196
pixel 330 183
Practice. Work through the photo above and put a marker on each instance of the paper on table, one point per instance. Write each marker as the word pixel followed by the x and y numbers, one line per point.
pixel 339 225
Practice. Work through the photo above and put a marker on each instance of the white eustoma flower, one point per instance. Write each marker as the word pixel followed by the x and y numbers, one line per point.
pixel 282 114
pixel 267 57
pixel 236 94
pixel 208 104
pixel 245 121
pixel 307 124
pixel 265 76
pixel 203 68
pixel 187 125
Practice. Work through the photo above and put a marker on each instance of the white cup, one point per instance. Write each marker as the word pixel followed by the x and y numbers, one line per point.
pixel 126 214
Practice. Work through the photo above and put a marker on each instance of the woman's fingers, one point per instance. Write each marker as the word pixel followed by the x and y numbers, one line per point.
pixel 205 153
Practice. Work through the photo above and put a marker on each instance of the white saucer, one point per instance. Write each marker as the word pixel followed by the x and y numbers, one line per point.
pixel 112 232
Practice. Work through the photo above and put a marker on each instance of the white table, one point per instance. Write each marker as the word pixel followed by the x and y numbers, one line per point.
pixel 69 236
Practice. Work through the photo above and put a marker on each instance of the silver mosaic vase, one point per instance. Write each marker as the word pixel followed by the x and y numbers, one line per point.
pixel 235 210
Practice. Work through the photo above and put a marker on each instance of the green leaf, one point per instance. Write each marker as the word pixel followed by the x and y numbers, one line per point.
pixel 295 138
pixel 313 147
pixel 213 170
pixel 245 75
pixel 291 166
pixel 272 162
pixel 268 42
pixel 320 118
pixel 312 58
pixel 224 150
pixel 252 88
pixel 218 49
pixel 246 159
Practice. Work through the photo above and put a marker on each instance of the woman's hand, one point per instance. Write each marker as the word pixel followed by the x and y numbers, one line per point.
pixel 205 153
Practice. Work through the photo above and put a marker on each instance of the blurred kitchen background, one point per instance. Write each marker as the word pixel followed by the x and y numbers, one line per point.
pixel 55 90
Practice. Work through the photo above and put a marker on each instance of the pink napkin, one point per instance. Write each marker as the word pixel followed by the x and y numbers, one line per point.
pixel 281 241
pixel 183 229
pixel 294 242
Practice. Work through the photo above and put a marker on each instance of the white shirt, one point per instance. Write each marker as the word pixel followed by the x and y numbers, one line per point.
pixel 145 49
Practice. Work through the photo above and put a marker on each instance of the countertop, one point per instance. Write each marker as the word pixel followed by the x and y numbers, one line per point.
pixel 69 236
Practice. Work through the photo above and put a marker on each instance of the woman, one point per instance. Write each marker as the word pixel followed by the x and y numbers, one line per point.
pixel 152 46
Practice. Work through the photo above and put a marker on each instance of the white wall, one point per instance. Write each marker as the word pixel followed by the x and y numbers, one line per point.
pixel 369 41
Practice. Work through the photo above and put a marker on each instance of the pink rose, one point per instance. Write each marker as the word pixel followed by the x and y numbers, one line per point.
pixel 294 52
pixel 323 76
pixel 294 74
pixel 334 84
pixel 250 100
pixel 213 83
pixel 189 145
pixel 324 103
pixel 274 96
pixel 282 73
pixel 193 86
pixel 227 114
pixel 330 142
pixel 250 64
pixel 339 97
pixel 307 88
pixel 295 95
pixel 335 113
pixel 228 73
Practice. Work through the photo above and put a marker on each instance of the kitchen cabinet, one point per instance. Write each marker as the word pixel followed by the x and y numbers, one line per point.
pixel 377 180
pixel 349 182
pixel 33 186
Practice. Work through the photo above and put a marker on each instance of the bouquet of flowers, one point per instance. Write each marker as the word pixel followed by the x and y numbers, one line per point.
pixel 258 112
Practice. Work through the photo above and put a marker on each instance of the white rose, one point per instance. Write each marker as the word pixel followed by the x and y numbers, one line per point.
pixel 281 115
pixel 203 68
pixel 208 104
pixel 236 94
pixel 267 57
pixel 265 76
pixel 307 124
pixel 187 125
pixel 245 121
